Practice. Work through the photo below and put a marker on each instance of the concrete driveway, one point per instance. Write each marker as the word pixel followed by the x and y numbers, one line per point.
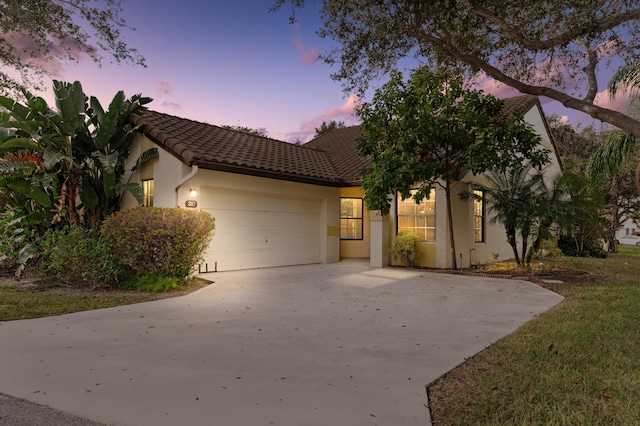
pixel 339 344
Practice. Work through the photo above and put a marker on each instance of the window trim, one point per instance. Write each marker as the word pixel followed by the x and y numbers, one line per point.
pixel 146 196
pixel 434 215
pixel 482 216
pixel 361 219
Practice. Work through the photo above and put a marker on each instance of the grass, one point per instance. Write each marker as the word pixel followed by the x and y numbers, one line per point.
pixel 18 302
pixel 577 364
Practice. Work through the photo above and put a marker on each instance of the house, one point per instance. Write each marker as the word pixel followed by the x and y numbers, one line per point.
pixel 628 233
pixel 279 204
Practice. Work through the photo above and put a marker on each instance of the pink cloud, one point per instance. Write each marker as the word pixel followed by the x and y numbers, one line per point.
pixel 620 103
pixel 308 54
pixel 30 52
pixel 497 89
pixel 344 112
pixel 172 105
pixel 163 87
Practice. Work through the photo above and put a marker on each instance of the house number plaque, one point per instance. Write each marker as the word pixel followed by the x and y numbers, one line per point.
pixel 191 204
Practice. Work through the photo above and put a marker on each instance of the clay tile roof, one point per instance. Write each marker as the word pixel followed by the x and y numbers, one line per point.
pixel 218 148
pixel 341 147
pixel 518 104
pixel 331 159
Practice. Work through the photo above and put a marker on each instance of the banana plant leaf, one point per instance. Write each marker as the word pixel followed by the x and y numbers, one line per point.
pixel 17 167
pixel 108 164
pixel 134 189
pixel 53 156
pixel 17 110
pixel 20 143
pixel 36 194
pixel 148 155
pixel 109 125
pixel 70 101
pixel 88 195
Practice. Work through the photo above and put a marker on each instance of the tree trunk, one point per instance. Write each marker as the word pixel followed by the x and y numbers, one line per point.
pixel 447 190
pixel 511 238
pixel 613 226
pixel 525 243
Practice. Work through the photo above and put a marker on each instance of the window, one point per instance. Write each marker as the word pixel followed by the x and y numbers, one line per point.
pixel 351 218
pixel 147 188
pixel 478 216
pixel 419 219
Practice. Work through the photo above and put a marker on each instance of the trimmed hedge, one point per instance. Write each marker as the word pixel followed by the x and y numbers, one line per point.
pixel 164 242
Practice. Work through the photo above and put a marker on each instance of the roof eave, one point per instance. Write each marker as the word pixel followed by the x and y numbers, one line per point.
pixel 233 168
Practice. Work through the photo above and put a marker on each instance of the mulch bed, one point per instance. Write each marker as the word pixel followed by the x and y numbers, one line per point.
pixel 555 273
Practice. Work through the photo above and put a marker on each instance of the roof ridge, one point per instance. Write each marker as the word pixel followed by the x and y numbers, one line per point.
pixel 227 129
pixel 216 147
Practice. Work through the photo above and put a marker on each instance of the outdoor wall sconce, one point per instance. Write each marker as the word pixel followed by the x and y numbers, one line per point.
pixel 193 192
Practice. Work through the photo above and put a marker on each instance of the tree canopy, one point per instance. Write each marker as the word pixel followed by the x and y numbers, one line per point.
pixel 429 130
pixel 37 33
pixel 537 47
pixel 256 132
pixel 326 126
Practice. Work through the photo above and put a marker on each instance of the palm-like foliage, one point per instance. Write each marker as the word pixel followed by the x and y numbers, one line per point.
pixel 75 152
pixel 510 196
pixel 626 79
pixel 619 148
pixel 621 145
pixel 524 204
pixel 532 210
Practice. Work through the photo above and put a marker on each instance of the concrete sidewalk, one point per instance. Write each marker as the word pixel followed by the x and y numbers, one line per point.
pixel 339 344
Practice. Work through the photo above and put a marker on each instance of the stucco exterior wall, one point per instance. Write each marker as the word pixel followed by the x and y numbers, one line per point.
pixel 167 172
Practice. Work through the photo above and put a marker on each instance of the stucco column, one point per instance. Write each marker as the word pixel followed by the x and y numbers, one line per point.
pixel 379 242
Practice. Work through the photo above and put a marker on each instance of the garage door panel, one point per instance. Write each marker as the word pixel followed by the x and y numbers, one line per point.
pixel 256 230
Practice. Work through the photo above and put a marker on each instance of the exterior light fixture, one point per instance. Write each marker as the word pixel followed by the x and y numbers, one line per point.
pixel 193 192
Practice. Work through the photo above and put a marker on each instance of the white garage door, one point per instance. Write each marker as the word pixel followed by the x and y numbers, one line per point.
pixel 254 230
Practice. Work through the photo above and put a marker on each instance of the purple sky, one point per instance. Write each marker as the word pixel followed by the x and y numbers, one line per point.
pixel 233 63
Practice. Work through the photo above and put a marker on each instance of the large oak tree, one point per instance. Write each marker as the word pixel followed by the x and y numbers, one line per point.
pixel 543 48
pixel 36 35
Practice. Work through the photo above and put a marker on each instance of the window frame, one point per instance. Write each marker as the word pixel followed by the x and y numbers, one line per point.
pixel 148 196
pixel 479 217
pixel 431 199
pixel 354 219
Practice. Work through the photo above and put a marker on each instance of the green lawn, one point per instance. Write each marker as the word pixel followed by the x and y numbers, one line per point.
pixel 23 303
pixel 577 364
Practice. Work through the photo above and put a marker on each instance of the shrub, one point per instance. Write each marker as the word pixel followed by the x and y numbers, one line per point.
pixel 77 257
pixel 18 243
pixel 158 241
pixel 406 247
pixel 570 248
pixel 550 248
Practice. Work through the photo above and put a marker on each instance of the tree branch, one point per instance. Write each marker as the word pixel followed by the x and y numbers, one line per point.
pixel 590 71
pixel 596 26
pixel 618 119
